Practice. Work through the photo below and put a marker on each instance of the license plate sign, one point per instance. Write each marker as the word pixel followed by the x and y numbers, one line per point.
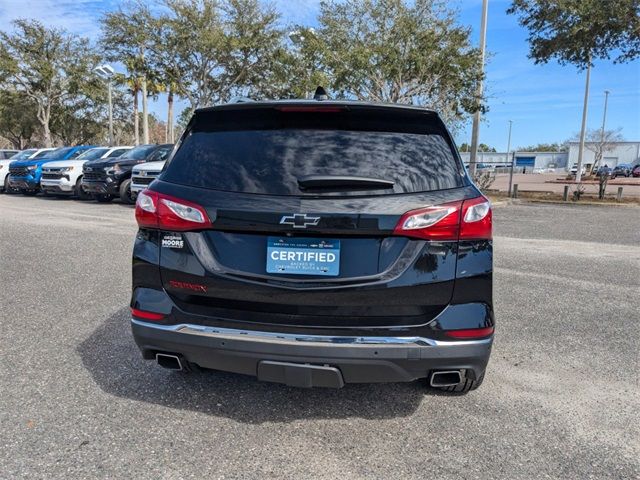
pixel 303 256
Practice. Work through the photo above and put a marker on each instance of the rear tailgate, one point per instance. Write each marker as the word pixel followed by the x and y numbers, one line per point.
pixel 259 261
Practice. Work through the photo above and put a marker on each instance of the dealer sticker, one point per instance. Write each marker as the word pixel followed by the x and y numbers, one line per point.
pixel 172 241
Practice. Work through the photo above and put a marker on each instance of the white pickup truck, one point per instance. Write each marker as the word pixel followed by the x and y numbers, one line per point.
pixel 23 155
pixel 143 175
pixel 65 177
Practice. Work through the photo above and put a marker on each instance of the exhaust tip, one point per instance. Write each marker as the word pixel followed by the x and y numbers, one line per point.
pixel 445 378
pixel 168 361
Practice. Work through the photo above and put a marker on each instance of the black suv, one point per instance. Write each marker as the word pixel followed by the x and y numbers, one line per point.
pixel 111 177
pixel 316 243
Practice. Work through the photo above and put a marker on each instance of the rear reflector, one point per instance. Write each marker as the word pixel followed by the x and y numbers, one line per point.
pixel 147 315
pixel 469 220
pixel 470 333
pixel 157 210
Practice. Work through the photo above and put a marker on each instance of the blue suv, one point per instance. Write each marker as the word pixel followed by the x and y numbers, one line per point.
pixel 25 175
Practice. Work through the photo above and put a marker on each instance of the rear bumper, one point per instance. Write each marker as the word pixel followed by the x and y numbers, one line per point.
pixel 268 354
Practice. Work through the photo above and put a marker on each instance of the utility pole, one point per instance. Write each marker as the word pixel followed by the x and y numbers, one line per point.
pixel 583 129
pixel 476 116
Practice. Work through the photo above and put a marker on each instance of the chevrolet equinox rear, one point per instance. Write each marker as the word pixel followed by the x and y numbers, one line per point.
pixel 316 243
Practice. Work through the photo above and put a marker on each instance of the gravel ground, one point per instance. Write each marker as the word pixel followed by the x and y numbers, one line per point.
pixel 560 400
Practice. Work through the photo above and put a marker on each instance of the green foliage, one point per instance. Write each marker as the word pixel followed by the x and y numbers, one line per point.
pixel 578 31
pixel 47 65
pixel 483 147
pixel 397 51
pixel 544 147
pixel 18 122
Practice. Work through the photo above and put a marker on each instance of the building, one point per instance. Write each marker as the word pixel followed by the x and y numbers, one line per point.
pixel 524 161
pixel 622 152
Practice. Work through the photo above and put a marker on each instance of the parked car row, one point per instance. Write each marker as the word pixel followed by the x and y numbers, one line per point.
pixel 102 173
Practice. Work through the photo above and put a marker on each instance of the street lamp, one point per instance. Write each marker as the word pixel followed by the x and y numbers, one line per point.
pixel 604 115
pixel 106 72
pixel 475 128
pixel 513 159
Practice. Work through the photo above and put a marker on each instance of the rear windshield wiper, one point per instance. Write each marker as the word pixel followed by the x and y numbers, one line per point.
pixel 342 182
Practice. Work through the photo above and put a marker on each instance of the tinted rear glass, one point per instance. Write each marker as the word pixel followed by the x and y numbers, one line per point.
pixel 267 151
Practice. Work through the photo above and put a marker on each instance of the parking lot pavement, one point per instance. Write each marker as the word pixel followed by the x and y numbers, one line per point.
pixel 560 400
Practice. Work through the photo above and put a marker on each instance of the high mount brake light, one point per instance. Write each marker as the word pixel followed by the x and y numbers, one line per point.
pixel 310 108
pixel 157 210
pixel 468 220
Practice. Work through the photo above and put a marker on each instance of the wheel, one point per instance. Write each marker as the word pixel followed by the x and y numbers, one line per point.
pixel 125 191
pixel 104 198
pixel 463 387
pixel 6 188
pixel 80 192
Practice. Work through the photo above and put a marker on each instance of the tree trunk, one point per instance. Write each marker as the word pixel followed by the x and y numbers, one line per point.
pixel 136 120
pixel 44 115
pixel 145 113
pixel 170 116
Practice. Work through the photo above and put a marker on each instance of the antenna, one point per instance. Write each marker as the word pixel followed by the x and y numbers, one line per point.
pixel 321 94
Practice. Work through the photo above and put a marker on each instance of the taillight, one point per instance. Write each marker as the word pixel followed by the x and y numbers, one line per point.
pixel 439 222
pixel 468 220
pixel 157 210
pixel 476 219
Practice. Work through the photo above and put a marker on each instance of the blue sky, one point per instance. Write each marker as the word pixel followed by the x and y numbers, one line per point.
pixel 544 101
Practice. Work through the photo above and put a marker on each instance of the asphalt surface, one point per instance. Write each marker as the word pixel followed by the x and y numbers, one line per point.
pixel 561 398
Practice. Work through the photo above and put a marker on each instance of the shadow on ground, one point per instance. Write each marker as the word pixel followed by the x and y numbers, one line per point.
pixel 115 363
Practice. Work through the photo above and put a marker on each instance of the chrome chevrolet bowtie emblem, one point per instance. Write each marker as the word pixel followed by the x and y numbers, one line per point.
pixel 299 220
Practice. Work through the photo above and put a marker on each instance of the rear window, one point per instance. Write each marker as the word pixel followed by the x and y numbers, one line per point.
pixel 266 151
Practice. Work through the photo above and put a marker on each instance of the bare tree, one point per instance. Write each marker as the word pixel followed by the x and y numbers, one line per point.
pixel 600 142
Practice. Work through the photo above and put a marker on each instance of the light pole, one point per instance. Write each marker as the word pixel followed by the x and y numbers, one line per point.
pixel 604 115
pixel 476 116
pixel 583 129
pixel 106 72
pixel 512 160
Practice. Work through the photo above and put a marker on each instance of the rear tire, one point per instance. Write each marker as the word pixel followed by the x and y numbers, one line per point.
pixel 463 387
pixel 125 192
pixel 103 198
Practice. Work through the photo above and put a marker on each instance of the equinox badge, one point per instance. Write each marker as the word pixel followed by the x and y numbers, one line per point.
pixel 299 220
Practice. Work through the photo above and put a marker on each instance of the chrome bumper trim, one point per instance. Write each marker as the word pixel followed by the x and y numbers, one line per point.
pixel 255 335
